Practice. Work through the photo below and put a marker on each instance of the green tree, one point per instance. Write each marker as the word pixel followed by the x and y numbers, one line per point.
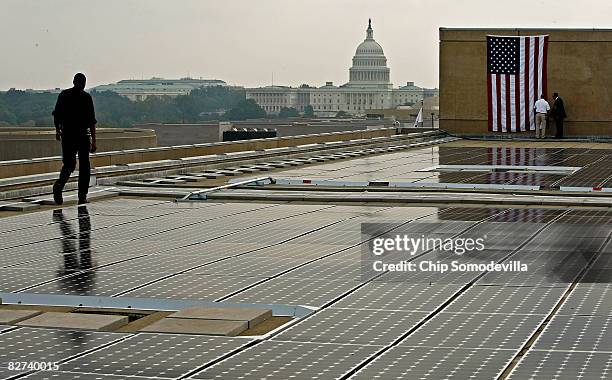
pixel 286 112
pixel 342 114
pixel 246 109
pixel 21 108
pixel 308 111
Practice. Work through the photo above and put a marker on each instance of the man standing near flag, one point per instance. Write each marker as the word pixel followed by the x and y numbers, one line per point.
pixel 558 114
pixel 541 108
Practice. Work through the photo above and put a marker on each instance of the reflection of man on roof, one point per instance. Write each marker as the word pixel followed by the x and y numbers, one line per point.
pixel 75 123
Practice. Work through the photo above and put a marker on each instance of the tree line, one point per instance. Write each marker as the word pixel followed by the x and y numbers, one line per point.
pixel 21 108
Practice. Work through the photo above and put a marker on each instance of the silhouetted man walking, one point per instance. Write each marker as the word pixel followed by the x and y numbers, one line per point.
pixel 558 114
pixel 75 126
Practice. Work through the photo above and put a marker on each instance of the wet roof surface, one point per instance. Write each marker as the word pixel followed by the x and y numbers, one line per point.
pixel 595 166
pixel 387 325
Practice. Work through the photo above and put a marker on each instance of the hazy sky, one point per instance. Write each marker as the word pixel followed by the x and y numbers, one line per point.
pixel 44 42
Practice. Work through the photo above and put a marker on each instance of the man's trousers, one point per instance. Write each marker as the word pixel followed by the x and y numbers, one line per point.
pixel 71 147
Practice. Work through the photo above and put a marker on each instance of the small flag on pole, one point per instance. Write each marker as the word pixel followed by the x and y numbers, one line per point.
pixel 419 118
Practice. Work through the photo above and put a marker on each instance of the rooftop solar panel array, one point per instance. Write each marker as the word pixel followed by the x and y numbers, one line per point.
pixel 379 326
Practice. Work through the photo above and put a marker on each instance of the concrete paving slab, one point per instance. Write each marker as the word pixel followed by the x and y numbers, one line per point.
pixel 153 179
pixel 246 170
pixel 190 178
pixel 95 193
pixel 229 172
pixel 20 206
pixel 76 321
pixel 262 167
pixel 197 326
pixel 213 175
pixel 250 315
pixel 171 181
pixel 10 317
pixel 133 183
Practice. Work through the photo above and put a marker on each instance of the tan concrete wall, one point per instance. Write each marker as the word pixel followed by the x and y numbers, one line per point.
pixel 579 69
pixel 113 158
pixel 20 143
pixel 182 134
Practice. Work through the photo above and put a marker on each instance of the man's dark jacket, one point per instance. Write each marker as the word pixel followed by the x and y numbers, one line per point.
pixel 558 109
pixel 74 112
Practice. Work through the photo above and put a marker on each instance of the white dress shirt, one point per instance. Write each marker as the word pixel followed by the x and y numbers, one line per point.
pixel 541 106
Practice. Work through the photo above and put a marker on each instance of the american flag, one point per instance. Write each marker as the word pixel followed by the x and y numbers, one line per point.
pixel 516 76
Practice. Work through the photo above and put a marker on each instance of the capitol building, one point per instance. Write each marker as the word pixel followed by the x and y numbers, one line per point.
pixel 369 88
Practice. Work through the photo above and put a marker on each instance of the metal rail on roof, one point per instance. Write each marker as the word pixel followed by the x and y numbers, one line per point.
pixel 201 194
pixel 137 303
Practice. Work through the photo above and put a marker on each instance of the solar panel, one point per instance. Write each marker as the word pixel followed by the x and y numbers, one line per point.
pixel 436 363
pixel 96 282
pixel 589 299
pixel 467 330
pixel 249 266
pixel 291 291
pixel 51 375
pixel 353 326
pixel 577 333
pixel 506 300
pixel 162 263
pixel 45 345
pixel 398 296
pixel 15 279
pixel 286 360
pixel 198 287
pixel 155 355
pixel 563 365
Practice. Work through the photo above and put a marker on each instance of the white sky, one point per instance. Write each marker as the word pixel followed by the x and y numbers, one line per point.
pixel 44 42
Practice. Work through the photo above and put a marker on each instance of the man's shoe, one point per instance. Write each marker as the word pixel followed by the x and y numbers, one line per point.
pixel 57 195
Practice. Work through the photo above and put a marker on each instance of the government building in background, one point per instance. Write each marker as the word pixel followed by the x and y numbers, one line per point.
pixel 369 88
pixel 140 89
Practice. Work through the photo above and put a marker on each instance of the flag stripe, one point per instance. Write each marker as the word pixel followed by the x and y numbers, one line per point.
pixel 525 66
pixel 508 103
pixel 498 101
pixel 489 103
pixel 536 64
pixel 502 100
pixel 544 77
pixel 493 100
pixel 531 83
pixel 516 119
pixel 494 96
pixel 540 64
pixel 521 90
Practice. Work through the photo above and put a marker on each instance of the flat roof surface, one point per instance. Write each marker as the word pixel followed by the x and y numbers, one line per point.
pixel 551 320
pixel 387 325
pixel 404 166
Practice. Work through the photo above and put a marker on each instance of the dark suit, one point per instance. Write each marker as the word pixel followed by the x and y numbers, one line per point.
pixel 557 112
